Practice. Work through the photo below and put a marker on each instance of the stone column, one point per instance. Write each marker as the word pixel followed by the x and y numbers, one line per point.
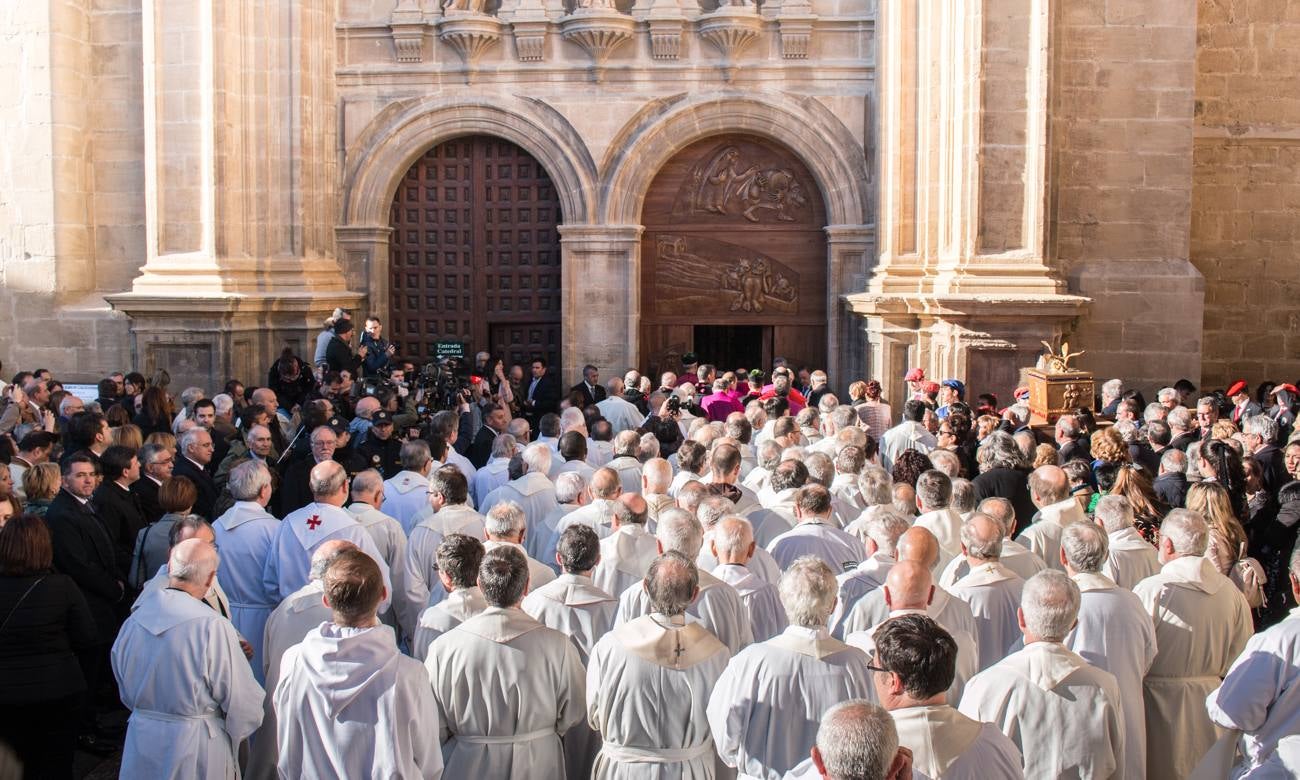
pixel 240 186
pixel 600 304
pixel 851 249
pixel 965 285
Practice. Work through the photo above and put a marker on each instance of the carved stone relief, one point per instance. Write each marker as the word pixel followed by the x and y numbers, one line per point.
pixel 731 182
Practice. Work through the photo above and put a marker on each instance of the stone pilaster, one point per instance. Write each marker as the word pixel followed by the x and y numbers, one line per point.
pixel 600 302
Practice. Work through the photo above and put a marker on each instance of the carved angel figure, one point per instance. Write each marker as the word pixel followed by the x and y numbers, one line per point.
pixel 1053 363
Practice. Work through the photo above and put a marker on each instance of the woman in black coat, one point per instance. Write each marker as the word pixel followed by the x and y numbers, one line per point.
pixel 43 620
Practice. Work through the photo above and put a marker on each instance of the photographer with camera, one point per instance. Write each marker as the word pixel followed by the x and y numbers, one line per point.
pixel 379 350
pixel 663 423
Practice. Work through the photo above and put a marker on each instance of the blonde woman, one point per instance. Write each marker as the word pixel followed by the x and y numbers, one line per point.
pixel 1227 548
pixel 128 436
pixel 41 484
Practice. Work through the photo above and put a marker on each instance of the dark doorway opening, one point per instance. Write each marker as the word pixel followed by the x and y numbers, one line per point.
pixel 734 346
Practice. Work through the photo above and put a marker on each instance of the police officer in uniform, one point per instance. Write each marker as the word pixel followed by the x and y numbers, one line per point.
pixel 381 450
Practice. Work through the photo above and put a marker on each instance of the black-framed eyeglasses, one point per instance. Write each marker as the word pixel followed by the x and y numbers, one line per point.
pixel 875 668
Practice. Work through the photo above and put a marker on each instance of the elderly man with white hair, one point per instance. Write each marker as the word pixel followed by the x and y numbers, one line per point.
pixel 656 476
pixel 718 606
pixel 571 494
pixel 1202 623
pixel 621 413
pixel 529 487
pixel 1260 696
pixel 815 534
pixel 1113 634
pixel 182 673
pixel 597 514
pixel 755 729
pixel 448 512
pixel 881 528
pixel 495 472
pixel 458 559
pixel 1131 558
pixel 626 554
pixel 406 492
pixel 367 500
pixel 625 462
pixel 1049 489
pixel 933 496
pixel 649 681
pixel 990 589
pixel 733 547
pixel 506 526
pixel 855 741
pixel 1015 556
pixel 244 534
pixel 1064 714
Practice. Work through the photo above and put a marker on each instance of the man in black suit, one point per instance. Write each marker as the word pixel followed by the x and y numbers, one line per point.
pixel 494 424
pixel 1260 433
pixel 1068 436
pixel 1183 427
pixel 84 552
pixel 156 464
pixel 118 508
pixel 1243 405
pixel 590 387
pixel 1171 485
pixel 542 395
pixel 192 463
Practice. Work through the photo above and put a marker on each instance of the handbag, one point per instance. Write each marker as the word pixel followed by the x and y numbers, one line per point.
pixel 19 603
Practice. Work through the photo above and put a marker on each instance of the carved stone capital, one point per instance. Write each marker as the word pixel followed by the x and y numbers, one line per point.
pixel 666 37
pixel 470 34
pixel 598 31
pixel 730 29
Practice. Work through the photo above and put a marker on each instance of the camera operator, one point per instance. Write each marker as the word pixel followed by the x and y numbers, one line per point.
pixel 381 449
pixel 338 353
pixel 663 424
pixel 379 350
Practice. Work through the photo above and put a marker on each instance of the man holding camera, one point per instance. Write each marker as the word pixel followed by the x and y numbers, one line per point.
pixel 379 350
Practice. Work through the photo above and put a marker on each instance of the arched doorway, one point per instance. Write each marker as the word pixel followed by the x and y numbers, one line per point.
pixel 475 253
pixel 733 258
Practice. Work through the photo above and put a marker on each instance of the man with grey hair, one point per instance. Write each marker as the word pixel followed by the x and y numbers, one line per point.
pixel 1259 435
pixel 448 501
pixel 244 534
pixel 182 673
pixel 407 491
pixel 571 603
pixel 747 711
pixel 571 494
pixel 301 532
pixel 1049 488
pixel 507 686
pixel 625 462
pixel 732 545
pixel 990 589
pixel 1113 634
pixel 366 506
pixel 506 526
pixel 815 534
pixel 963 497
pixel 458 559
pixel 933 496
pixel 1015 556
pixel 494 473
pixel 769 456
pixel 717 606
pixel 597 514
pixel 1111 392
pixel 856 740
pixel 626 554
pixel 649 680
pixel 530 488
pixel 1182 427
pixel 656 476
pixel 194 452
pixel 1171 483
pixel 1063 714
pixel 1202 623
pixel 946 462
pixel 1131 558
pixel 880 529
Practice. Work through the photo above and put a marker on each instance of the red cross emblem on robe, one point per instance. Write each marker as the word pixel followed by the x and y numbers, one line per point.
pixel 313 521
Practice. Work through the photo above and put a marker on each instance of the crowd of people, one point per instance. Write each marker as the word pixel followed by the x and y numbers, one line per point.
pixel 347 572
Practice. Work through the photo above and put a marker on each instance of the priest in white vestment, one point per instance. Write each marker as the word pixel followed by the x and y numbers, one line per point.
pixel 777 515
pixel 914 662
pixel 571 494
pixel 244 534
pixel 712 509
pixel 449 513
pixel 626 554
pixel 182 673
pixel 506 526
pixel 406 492
pixel 933 500
pixel 880 529
pixel 855 739
pixel 573 456
pixel 1049 489
pixel 718 607
pixel 1260 696
pixel 458 559
pixel 387 533
pixel 350 704
pixel 1064 715
pixel 815 534
pixel 495 472
pixel 529 487
pixel 1114 634
pixel 1202 623
pixel 286 627
pixel 289 560
pixel 656 476
pixel 625 463
pixel 1132 558
pixel 1015 556
pixel 990 589
pixel 507 687
pixel 766 707
pixel 649 681
pixel 909 590
pixel 598 513
pixel 733 547
pixel 621 413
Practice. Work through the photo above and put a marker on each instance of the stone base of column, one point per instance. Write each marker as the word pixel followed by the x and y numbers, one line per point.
pixel 985 340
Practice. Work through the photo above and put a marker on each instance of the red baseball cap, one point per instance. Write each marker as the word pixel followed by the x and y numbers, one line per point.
pixel 915 375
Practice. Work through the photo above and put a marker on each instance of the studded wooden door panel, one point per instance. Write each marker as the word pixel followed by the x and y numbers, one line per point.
pixel 475 253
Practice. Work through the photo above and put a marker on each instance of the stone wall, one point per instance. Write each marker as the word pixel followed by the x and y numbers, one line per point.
pixel 1246 196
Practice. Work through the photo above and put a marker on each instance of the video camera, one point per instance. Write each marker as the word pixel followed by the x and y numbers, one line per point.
pixel 445 380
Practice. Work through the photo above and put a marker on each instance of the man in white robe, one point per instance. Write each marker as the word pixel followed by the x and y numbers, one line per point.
pixel 718 607
pixel 244 534
pixel 777 515
pixel 506 526
pixel 621 413
pixel 990 589
pixel 181 672
pixel 1015 556
pixel 507 687
pixel 387 534
pixel 450 513
pixel 406 492
pixel 571 494
pixel 192 527
pixel 880 530
pixel 909 590
pixel 350 704
pixel 289 560
pixel 495 472
pixel 1260 696
pixel 1064 715
pixel 815 534
pixel 529 487
pixel 909 434
pixel 856 739
pixel 766 707
pixel 286 627
pixel 458 559
pixel 1202 623
pixel 625 463
pixel 1049 488
pixel 625 555
pixel 933 499
pixel 724 469
pixel 597 514
pixel 1132 558
pixel 656 475
pixel 733 547
pixel 1114 634
pixel 649 681
pixel 918 659
pixel 572 456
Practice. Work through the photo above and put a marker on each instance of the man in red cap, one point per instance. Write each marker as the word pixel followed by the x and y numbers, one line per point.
pixel 1283 410
pixel 915 383
pixel 1242 405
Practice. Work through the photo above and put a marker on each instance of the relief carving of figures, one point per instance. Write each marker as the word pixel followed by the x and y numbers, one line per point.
pixel 753 282
pixel 728 184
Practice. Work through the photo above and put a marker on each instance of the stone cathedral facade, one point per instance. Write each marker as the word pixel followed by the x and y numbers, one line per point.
pixel 865 185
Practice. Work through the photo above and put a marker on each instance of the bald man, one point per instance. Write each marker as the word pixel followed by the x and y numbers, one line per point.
pixel 919 546
pixel 1049 488
pixel 183 675
pixel 605 488
pixel 626 554
pixel 909 590
pixel 990 589
pixel 733 546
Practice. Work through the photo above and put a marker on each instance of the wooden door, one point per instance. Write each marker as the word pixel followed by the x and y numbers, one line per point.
pixel 734 236
pixel 475 253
